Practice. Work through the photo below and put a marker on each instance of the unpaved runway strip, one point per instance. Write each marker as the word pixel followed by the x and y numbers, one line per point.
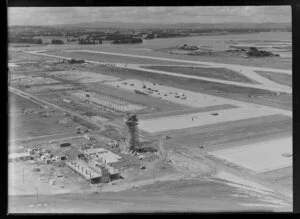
pixel 260 157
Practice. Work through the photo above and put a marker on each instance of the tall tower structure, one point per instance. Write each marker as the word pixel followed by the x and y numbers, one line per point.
pixel 132 138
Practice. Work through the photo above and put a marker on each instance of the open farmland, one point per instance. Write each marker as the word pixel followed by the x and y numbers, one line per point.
pixel 218 73
pixel 280 78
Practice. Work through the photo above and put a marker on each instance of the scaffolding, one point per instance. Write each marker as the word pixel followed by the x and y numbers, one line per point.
pixel 132 138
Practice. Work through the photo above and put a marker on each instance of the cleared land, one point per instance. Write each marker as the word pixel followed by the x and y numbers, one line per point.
pixel 50 88
pixel 283 79
pixel 181 112
pixel 167 93
pixel 247 94
pixel 32 80
pixel 162 197
pixel 229 134
pixel 17 102
pixel 109 101
pixel 110 58
pixel 14 56
pixel 218 73
pixel 157 103
pixel 82 76
pixel 200 119
pixel 268 155
pixel 32 125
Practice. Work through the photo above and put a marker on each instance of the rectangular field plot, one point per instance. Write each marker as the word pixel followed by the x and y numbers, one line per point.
pixel 115 103
pixel 32 80
pixel 200 119
pixel 260 157
pixel 82 76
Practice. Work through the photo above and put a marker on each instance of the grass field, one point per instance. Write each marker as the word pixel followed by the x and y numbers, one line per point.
pixel 280 78
pixel 217 73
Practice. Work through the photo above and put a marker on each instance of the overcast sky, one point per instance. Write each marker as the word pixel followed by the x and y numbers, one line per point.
pixel 71 15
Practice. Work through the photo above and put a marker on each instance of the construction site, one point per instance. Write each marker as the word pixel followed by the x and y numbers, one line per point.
pixel 83 124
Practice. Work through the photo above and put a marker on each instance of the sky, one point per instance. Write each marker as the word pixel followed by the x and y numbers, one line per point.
pixel 73 15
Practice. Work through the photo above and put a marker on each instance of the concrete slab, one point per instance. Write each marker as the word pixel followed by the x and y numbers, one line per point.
pixel 260 157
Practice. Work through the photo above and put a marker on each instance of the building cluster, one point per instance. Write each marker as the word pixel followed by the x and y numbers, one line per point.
pixel 95 165
pixel 45 155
